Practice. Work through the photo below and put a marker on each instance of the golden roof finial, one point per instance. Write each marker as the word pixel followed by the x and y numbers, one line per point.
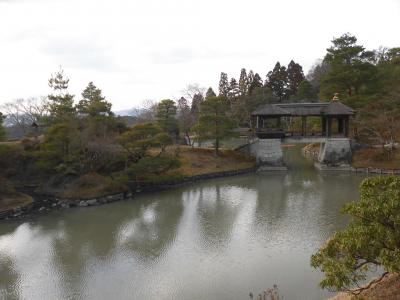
pixel 335 97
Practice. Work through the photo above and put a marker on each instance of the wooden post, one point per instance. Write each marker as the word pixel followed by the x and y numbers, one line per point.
pixel 257 123
pixel 305 126
pixel 323 125
pixel 346 126
pixel 340 125
pixel 328 126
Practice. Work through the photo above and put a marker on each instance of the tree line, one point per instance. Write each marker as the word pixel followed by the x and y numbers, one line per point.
pixel 367 80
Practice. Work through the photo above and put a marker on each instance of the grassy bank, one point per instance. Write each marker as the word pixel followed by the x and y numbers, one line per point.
pixel 12 201
pixel 374 158
pixel 198 161
pixel 10 198
pixel 364 158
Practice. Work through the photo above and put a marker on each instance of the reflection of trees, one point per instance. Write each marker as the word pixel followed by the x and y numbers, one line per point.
pixel 216 216
pixel 9 278
pixel 77 240
pixel 153 226
pixel 81 236
pixel 93 235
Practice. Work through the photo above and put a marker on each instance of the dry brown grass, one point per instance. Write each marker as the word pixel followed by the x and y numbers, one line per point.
pixel 197 161
pixel 89 186
pixel 373 158
pixel 10 198
pixel 388 289
pixel 312 147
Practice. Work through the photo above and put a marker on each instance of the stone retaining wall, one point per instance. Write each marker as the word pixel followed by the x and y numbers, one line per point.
pixel 335 152
pixel 266 151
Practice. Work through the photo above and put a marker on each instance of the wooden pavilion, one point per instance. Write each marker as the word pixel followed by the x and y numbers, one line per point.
pixel 268 118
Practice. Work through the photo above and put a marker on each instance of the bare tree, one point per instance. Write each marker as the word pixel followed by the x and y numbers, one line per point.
pixel 379 124
pixel 146 112
pixel 192 89
pixel 22 113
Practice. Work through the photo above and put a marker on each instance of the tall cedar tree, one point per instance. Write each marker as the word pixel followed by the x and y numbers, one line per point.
pixel 185 119
pixel 195 108
pixel 214 121
pixel 233 90
pixel 295 76
pixel 351 67
pixel 61 105
pixel 166 116
pixel 223 85
pixel 250 78
pixel 277 81
pixel 2 131
pixel 93 103
pixel 210 93
pixel 243 82
pixel 256 82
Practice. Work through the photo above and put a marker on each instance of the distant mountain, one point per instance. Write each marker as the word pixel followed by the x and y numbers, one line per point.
pixel 127 112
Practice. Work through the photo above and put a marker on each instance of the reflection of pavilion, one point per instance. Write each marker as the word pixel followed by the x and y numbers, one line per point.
pixel 276 120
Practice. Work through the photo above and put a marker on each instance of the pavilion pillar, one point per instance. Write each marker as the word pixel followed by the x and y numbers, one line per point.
pixel 346 126
pixel 323 126
pixel 340 125
pixel 328 126
pixel 257 123
pixel 303 125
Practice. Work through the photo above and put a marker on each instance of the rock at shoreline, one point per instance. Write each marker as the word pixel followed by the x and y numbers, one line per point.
pixel 92 202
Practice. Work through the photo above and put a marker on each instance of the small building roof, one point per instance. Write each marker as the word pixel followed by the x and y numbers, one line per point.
pixel 335 108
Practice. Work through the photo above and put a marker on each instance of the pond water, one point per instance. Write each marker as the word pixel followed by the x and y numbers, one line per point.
pixel 217 239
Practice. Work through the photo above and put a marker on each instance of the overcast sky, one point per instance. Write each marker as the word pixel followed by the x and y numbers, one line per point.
pixel 135 50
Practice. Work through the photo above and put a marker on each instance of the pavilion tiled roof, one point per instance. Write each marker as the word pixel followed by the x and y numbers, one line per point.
pixel 304 109
pixel 271 110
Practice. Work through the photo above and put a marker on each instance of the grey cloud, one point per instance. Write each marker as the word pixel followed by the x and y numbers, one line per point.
pixel 82 53
pixel 184 55
pixel 173 56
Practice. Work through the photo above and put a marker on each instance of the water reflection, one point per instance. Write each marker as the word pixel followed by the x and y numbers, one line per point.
pixel 217 239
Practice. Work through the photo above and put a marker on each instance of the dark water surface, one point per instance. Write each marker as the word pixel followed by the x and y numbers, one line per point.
pixel 217 239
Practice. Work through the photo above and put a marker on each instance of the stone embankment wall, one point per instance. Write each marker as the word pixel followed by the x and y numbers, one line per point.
pixel 335 152
pixel 266 151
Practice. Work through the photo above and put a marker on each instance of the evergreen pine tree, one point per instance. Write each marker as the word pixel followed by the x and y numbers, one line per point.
pixel 351 67
pixel 214 121
pixel 93 103
pixel 61 102
pixel 166 116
